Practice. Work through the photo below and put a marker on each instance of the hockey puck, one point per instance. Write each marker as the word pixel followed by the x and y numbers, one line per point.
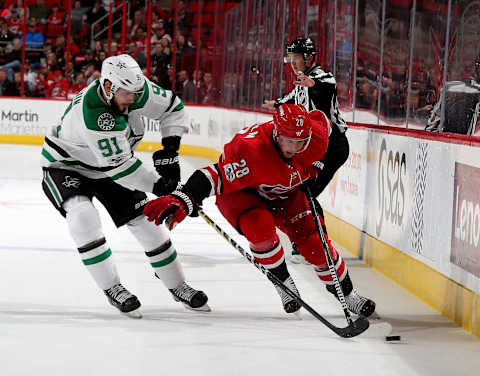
pixel 392 338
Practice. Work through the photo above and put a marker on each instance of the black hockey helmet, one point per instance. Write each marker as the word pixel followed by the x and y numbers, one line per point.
pixel 305 46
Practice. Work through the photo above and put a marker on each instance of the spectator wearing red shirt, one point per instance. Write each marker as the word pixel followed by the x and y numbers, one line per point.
pixel 14 22
pixel 59 87
pixel 55 22
pixel 157 8
pixel 41 86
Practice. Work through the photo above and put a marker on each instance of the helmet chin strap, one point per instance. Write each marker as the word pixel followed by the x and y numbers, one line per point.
pixel 108 98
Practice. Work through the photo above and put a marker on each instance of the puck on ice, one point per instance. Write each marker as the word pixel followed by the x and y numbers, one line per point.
pixel 392 338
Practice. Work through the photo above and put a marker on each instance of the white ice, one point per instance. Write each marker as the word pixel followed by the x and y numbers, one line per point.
pixel 55 321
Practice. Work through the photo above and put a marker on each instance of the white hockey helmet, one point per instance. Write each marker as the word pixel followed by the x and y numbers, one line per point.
pixel 123 72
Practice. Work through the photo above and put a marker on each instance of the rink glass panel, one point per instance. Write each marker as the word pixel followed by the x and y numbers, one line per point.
pixel 390 57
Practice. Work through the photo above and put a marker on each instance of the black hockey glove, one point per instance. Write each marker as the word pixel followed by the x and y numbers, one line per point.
pixel 312 183
pixel 167 166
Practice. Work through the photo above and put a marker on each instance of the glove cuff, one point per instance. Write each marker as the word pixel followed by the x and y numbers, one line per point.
pixel 185 199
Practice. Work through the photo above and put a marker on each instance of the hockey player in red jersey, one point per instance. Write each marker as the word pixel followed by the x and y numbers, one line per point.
pixel 257 184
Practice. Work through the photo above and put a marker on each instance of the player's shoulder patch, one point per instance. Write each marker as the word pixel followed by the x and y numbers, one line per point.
pixel 97 115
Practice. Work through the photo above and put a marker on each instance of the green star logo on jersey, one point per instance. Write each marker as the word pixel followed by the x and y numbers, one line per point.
pixel 106 121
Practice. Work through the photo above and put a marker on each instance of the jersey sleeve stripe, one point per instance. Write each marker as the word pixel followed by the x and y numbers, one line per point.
pixel 214 177
pixel 220 182
pixel 47 155
pixel 128 171
pixel 57 148
pixel 179 107
pixel 172 101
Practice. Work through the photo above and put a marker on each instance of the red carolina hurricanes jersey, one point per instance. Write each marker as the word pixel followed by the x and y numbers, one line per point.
pixel 252 160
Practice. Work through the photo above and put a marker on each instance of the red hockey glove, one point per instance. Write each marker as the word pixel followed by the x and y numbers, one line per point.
pixel 172 209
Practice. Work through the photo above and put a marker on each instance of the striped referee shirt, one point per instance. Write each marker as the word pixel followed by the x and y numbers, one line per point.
pixel 321 96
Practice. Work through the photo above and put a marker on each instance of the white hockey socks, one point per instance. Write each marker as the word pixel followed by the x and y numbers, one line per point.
pixel 159 249
pixel 85 228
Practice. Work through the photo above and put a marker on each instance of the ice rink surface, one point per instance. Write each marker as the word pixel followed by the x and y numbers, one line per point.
pixel 55 321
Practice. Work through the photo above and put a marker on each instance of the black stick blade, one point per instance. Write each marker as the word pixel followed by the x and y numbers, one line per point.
pixel 354 329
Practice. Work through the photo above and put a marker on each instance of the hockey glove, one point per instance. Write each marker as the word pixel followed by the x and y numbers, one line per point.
pixel 311 183
pixel 172 209
pixel 167 166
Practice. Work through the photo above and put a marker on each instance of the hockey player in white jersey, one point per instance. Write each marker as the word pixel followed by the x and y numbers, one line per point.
pixel 90 153
pixel 316 89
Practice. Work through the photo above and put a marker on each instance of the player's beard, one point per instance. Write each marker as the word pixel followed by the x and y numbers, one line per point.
pixel 116 109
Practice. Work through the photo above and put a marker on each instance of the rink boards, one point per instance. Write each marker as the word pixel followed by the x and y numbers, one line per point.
pixel 409 205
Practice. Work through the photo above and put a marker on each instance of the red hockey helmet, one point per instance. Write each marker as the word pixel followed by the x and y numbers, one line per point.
pixel 292 121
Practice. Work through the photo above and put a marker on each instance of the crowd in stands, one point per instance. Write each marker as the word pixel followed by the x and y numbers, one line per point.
pixel 46 73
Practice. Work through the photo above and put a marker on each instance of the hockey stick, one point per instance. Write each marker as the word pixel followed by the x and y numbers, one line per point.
pixel 353 329
pixel 328 256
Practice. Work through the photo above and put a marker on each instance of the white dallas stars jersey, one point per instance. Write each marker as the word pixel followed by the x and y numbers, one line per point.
pixel 322 96
pixel 97 142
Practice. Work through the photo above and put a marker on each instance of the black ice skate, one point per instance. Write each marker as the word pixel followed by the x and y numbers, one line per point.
pixel 192 299
pixel 123 300
pixel 359 304
pixel 290 305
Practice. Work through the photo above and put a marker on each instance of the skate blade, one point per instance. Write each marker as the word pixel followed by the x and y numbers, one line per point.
pixel 204 308
pixel 135 314
pixel 296 315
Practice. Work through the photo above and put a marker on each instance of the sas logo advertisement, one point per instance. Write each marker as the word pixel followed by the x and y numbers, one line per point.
pixel 465 250
pixel 391 183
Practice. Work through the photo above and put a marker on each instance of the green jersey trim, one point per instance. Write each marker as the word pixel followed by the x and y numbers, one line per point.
pixel 141 99
pixel 53 189
pixel 178 107
pixel 98 116
pixel 128 171
pixel 47 155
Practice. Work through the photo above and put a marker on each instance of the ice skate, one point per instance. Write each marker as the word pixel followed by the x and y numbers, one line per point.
pixel 192 299
pixel 123 300
pixel 297 257
pixel 359 305
pixel 290 305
